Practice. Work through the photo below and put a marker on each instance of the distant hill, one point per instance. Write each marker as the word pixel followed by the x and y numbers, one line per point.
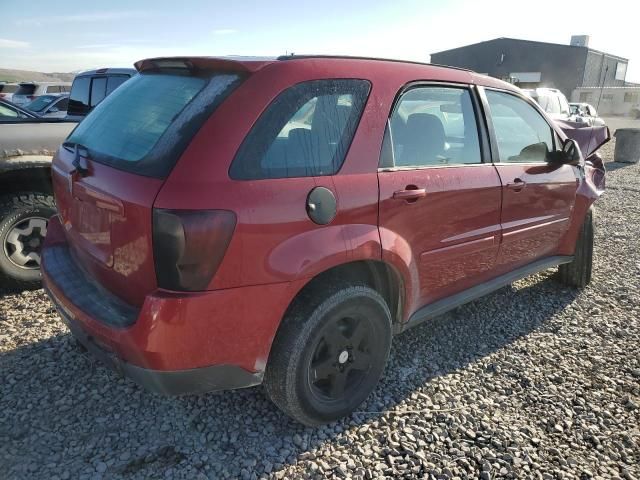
pixel 10 75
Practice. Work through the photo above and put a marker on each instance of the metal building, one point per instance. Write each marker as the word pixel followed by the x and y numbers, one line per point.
pixel 532 64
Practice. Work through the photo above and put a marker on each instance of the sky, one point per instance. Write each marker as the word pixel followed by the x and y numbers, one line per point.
pixel 80 35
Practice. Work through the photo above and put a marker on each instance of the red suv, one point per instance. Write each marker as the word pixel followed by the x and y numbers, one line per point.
pixel 227 223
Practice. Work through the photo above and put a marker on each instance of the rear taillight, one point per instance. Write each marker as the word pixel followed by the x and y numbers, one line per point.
pixel 189 245
pixel 3 95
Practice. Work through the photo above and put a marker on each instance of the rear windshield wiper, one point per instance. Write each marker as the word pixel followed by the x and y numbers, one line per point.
pixel 79 159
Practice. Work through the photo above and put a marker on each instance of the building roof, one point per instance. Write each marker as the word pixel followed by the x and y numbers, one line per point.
pixel 533 42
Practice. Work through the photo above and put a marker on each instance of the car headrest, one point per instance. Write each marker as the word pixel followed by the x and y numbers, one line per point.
pixel 427 126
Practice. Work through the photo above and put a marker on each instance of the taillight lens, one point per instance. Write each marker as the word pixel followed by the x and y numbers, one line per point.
pixel 189 245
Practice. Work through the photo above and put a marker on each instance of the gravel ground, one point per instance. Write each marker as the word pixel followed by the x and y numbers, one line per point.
pixel 534 381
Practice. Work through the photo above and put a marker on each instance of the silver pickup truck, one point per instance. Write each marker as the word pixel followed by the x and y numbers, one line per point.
pixel 26 197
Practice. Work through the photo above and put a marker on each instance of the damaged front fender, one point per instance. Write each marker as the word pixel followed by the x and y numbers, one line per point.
pixel 592 177
pixel 589 139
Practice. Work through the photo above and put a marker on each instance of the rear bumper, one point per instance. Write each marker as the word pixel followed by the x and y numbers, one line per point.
pixel 174 382
pixel 175 342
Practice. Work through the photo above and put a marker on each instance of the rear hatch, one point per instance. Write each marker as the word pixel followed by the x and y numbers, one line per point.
pixel 110 169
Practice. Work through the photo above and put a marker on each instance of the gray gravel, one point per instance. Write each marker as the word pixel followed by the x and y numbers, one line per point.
pixel 534 381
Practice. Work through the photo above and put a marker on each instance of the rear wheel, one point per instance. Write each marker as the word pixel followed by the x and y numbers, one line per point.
pixel 329 354
pixel 578 272
pixel 23 227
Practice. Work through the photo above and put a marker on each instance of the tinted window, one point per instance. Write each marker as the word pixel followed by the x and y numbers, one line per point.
pixel 26 89
pixel 523 135
pixel 98 89
pixel 434 126
pixel 79 99
pixel 63 104
pixel 114 82
pixel 145 125
pixel 306 131
pixel 8 88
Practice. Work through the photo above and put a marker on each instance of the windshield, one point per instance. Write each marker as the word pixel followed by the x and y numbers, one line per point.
pixel 41 103
pixel 124 130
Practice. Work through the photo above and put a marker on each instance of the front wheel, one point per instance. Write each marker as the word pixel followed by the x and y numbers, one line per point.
pixel 23 227
pixel 578 272
pixel 329 354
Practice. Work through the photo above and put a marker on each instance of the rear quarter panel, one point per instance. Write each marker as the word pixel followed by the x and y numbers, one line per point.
pixel 274 239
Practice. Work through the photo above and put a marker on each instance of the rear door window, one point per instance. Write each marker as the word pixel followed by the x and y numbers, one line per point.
pixel 98 89
pixel 144 126
pixel 306 131
pixel 434 126
pixel 79 99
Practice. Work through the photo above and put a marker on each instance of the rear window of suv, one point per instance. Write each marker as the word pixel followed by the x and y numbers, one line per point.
pixel 8 88
pixel 144 126
pixel 26 89
pixel 306 131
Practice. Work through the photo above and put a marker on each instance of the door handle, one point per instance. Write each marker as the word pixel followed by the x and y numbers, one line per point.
pixel 517 185
pixel 410 194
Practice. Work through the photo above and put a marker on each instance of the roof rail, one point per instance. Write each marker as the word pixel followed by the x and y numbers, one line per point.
pixel 351 57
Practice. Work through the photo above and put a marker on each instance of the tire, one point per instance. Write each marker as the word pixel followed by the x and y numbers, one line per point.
pixel 329 353
pixel 23 221
pixel 578 272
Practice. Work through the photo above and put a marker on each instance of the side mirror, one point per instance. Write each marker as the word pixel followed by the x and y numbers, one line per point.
pixel 54 110
pixel 569 155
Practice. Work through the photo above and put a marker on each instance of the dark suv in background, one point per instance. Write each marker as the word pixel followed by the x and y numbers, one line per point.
pixel 91 87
